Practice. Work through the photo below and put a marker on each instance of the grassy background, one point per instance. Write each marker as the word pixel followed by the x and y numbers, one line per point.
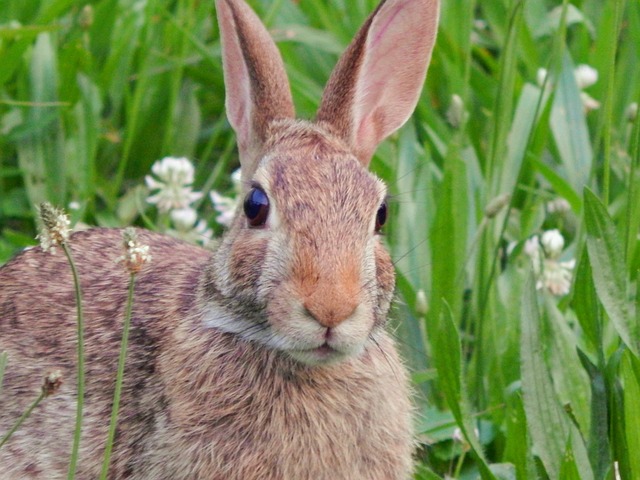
pixel 511 382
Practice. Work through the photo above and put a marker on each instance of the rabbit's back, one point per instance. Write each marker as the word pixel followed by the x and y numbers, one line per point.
pixel 197 402
pixel 38 329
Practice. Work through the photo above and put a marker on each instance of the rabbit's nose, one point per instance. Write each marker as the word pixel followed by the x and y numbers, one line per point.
pixel 330 306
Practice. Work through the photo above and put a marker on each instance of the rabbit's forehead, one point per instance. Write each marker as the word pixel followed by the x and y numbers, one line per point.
pixel 305 185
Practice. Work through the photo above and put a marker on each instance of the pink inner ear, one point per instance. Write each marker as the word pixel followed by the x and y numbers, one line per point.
pixel 236 102
pixel 257 88
pixel 388 85
pixel 383 28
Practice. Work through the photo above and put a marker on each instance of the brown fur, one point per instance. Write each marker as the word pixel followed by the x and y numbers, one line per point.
pixel 197 402
pixel 268 358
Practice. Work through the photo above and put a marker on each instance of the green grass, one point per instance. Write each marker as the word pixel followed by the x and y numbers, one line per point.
pixel 539 385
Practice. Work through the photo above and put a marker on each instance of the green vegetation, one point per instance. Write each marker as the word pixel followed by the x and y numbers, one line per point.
pixel 524 341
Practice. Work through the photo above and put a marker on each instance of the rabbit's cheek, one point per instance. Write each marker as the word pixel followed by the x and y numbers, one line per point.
pixel 385 279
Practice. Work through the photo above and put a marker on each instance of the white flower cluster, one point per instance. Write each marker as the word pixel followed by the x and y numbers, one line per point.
pixel 172 185
pixel 551 274
pixel 174 195
pixel 585 76
pixel 226 206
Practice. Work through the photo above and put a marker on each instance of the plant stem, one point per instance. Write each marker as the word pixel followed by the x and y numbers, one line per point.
pixel 81 381
pixel 3 364
pixel 119 378
pixel 24 416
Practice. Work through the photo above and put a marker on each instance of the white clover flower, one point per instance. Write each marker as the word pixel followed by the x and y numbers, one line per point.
pixel 532 246
pixel 188 227
pixel 173 184
pixel 588 102
pixel 585 76
pixel 557 276
pixel 225 206
pixel 552 242
pixel 558 205
pixel 55 227
pixel 183 218
pixel 236 179
pixel 552 275
pixel 456 114
pixel 200 234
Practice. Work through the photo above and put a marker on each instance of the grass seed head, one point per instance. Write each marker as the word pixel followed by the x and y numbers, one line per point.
pixel 54 228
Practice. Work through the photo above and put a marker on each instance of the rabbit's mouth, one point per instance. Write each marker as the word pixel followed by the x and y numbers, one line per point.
pixel 323 355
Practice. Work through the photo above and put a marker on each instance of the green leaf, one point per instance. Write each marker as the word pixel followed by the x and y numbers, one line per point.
pixel 560 185
pixel 518 449
pixel 599 444
pixel 531 102
pixel 568 468
pixel 445 344
pixel 630 371
pixel 585 303
pixel 608 269
pixel 449 237
pixel 425 473
pixel 617 431
pixel 548 424
pixel 503 471
pixel 569 378
pixel 569 128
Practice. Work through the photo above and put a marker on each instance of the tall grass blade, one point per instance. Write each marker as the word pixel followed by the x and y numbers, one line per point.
pixel 607 111
pixel 41 151
pixel 5 438
pixel 504 102
pixel 633 195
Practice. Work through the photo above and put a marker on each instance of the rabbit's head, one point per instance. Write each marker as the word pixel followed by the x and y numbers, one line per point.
pixel 302 269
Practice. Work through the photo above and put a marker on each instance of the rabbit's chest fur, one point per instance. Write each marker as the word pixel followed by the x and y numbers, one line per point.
pixel 197 402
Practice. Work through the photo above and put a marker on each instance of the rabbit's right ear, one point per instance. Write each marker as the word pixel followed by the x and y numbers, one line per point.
pixel 377 82
pixel 257 87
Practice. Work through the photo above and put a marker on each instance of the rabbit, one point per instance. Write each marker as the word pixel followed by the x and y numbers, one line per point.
pixel 266 358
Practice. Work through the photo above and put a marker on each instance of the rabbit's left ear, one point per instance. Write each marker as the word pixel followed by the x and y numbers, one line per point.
pixel 256 84
pixel 377 82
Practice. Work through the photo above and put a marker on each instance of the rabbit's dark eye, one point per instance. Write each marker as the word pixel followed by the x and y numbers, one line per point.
pixel 381 216
pixel 256 207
